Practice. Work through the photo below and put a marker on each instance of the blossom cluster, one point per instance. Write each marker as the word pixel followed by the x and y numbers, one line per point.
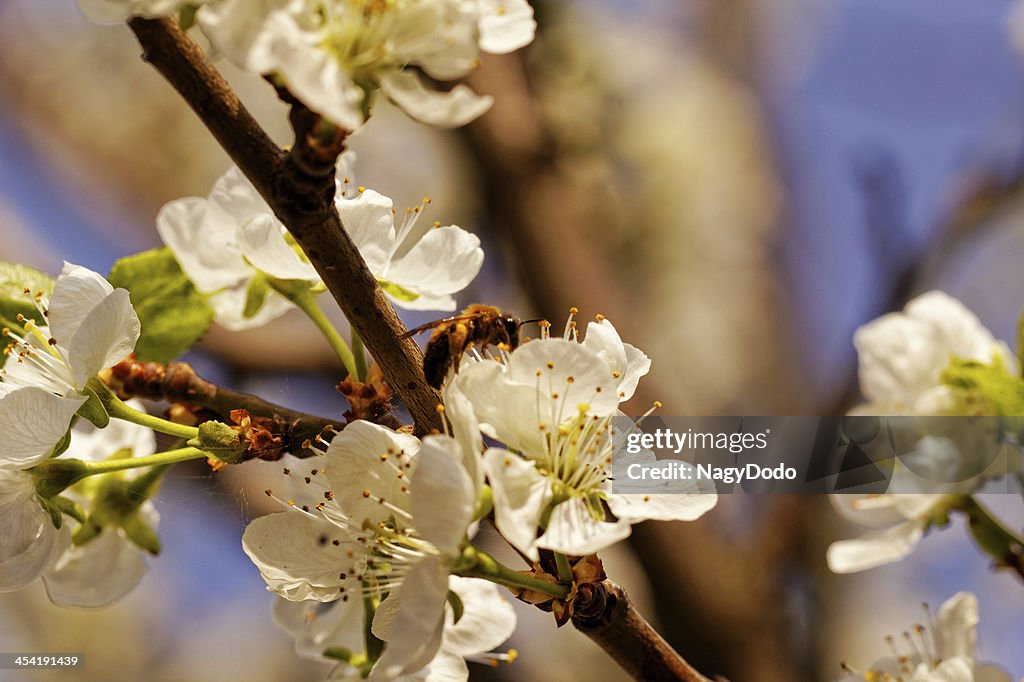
pixel 334 55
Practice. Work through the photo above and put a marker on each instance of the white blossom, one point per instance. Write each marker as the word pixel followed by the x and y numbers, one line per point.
pixel 108 566
pixel 89 326
pixel 390 518
pixel 29 542
pixel 901 356
pixel 228 242
pixel 552 402
pixel 333 54
pixel 942 651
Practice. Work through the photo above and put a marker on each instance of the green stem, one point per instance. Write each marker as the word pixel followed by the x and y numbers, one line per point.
pixel 564 569
pixel 359 351
pixel 160 459
pixel 480 564
pixel 118 409
pixel 374 646
pixel 306 302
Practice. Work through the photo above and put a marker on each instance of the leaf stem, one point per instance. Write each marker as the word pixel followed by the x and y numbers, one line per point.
pixel 564 569
pixel 160 459
pixel 306 302
pixel 118 409
pixel 359 351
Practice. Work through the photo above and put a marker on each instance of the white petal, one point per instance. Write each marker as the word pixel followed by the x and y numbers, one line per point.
pixel 315 626
pixel 367 457
pixel 572 530
pixel 77 291
pixel 488 619
pixel 456 107
pixel 98 573
pixel 368 220
pixel 445 667
pixel 662 506
pixel 32 421
pixel 315 77
pixel 576 374
pixel 506 411
pixel 229 305
pixel 443 262
pixel 29 544
pixel 521 495
pixel 466 431
pixel 262 242
pixel 875 549
pixel 627 362
pixel 415 634
pixel 297 557
pixel 506 25
pixel 443 496
pixel 206 250
pixel 955 626
pixel 106 337
pixel 951 670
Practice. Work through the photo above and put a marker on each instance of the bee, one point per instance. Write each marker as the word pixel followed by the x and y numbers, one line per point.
pixel 478 325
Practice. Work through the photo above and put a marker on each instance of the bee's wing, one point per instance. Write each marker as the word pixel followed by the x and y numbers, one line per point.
pixel 436 323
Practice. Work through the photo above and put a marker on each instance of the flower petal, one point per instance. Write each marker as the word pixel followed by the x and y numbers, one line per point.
pixel 97 573
pixel 443 262
pixel 32 422
pixel 627 362
pixel 521 495
pixel 297 557
pixel 77 291
pixel 488 619
pixel 107 336
pixel 262 242
pixel 205 248
pixel 955 631
pixel 367 463
pixel 315 626
pixel 573 530
pixel 566 368
pixel 456 107
pixel 368 220
pixel 29 544
pixel 415 635
pixel 506 25
pixel 662 506
pixel 443 495
pixel 875 549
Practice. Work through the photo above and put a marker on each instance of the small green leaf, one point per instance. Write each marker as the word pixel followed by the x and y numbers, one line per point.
pixel 93 411
pixel 256 295
pixel 173 313
pixel 455 601
pixel 399 292
pixel 14 280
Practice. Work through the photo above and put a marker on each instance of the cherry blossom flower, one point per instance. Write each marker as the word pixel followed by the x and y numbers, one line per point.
pixel 109 565
pixel 333 55
pixel 942 651
pixel 487 620
pixel 552 402
pixel 29 542
pixel 231 241
pixel 901 356
pixel 89 326
pixel 391 516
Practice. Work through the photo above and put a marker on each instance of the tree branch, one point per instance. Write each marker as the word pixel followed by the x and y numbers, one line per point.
pixel 177 382
pixel 303 202
pixel 603 612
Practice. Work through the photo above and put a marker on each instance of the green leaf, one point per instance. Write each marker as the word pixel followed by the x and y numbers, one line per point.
pixel 457 607
pixel 93 411
pixel 14 280
pixel 256 295
pixel 173 313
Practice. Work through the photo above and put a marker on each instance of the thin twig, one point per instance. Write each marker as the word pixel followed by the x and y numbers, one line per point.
pixel 303 202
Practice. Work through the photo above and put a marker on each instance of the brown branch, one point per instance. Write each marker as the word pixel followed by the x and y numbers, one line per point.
pixel 303 202
pixel 604 613
pixel 177 382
